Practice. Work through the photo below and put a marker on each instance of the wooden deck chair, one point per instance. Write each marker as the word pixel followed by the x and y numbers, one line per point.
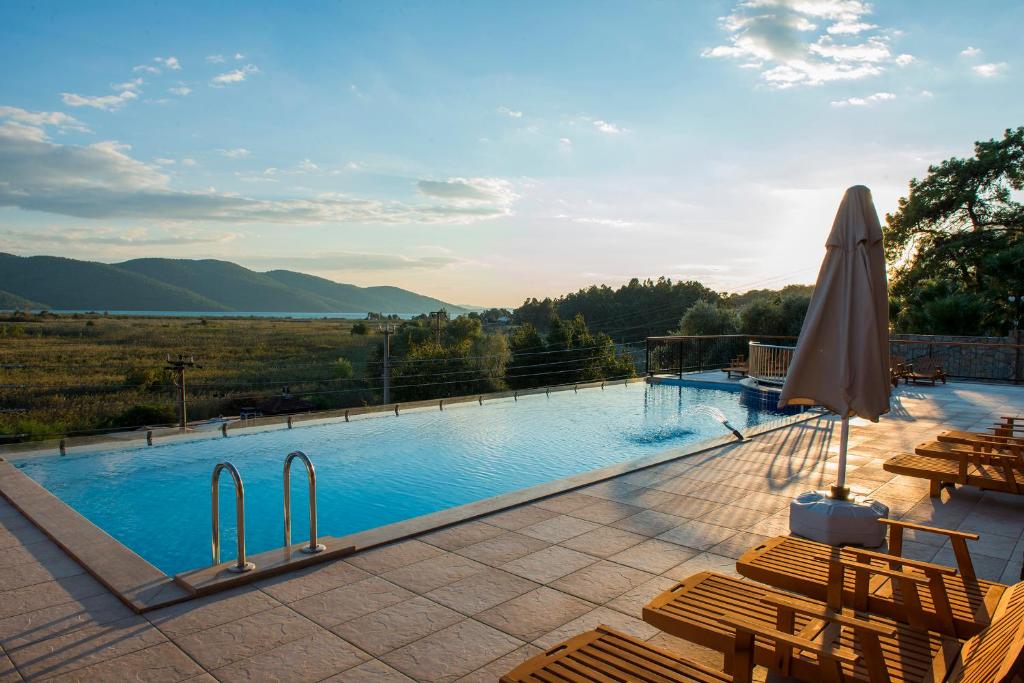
pixel 897 369
pixel 941 447
pixel 738 366
pixel 989 471
pixel 952 601
pixel 924 370
pixel 965 438
pixel 604 655
pixel 715 611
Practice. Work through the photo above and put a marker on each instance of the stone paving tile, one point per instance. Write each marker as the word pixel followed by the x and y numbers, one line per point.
pixel 705 562
pixel 694 534
pixel 632 602
pixel 591 620
pixel 46 623
pixel 294 586
pixel 450 654
pixel 549 564
pixel 654 556
pixel 603 542
pixel 533 614
pixel 351 601
pixel 558 529
pixel 649 523
pixel 986 566
pixel 163 663
pixel 84 647
pixel 214 610
pixel 42 595
pixel 736 545
pixel 501 666
pixel 681 485
pixel 601 582
pixel 305 660
pixel 481 591
pixel 8 674
pixel 606 511
pixel 687 507
pixel 501 549
pixel 426 575
pixel 519 517
pixel 461 535
pixel 393 627
pixel 237 640
pixel 42 552
pixel 394 556
pixel 29 573
pixel 373 671
pixel 734 517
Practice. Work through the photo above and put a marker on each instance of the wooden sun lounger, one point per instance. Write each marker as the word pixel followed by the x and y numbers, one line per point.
pixel 951 601
pixel 606 655
pixel 989 471
pixel 810 642
pixel 922 370
pixel 965 438
pixel 944 447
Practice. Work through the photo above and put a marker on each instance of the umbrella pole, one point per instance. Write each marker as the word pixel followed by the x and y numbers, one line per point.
pixel 840 491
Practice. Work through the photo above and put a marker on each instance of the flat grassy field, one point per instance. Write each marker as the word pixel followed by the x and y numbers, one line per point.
pixel 70 373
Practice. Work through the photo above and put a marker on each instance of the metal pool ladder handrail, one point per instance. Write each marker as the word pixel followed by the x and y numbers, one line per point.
pixel 313 546
pixel 242 565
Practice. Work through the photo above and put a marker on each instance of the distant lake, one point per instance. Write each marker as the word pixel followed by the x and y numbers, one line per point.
pixel 236 314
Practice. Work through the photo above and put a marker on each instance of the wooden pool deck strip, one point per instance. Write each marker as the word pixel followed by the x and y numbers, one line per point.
pixel 470 601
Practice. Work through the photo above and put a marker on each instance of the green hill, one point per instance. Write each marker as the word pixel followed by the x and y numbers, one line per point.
pixel 12 302
pixel 154 284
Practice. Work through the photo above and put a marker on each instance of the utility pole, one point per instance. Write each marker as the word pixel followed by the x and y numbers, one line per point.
pixel 387 331
pixel 178 368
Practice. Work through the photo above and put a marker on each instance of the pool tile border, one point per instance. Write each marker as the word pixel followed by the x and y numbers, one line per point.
pixel 143 587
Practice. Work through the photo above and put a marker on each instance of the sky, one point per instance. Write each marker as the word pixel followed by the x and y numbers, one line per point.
pixel 486 152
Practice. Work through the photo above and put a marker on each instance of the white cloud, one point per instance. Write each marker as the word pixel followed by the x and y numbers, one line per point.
pixel 180 90
pixel 794 42
pixel 511 113
pixel 171 63
pixel 215 59
pixel 104 102
pixel 927 94
pixel 38 119
pixel 590 220
pixel 236 153
pixel 133 84
pixel 102 181
pixel 470 191
pixel 349 261
pixel 864 101
pixel 990 70
pixel 606 127
pixel 188 162
pixel 307 166
pixel 135 237
pixel 565 144
pixel 164 161
pixel 234 76
pixel 970 51
pixel 147 68
pixel 239 56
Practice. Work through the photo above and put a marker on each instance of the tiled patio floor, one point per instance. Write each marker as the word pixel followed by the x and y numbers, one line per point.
pixel 469 602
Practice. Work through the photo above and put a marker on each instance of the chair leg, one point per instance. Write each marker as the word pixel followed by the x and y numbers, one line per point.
pixel 934 488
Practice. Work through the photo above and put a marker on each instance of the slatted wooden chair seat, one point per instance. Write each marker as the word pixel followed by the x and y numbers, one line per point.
pixel 738 366
pixel 922 370
pixel 700 609
pixel 943 599
pixel 810 642
pixel 606 655
pixel 990 471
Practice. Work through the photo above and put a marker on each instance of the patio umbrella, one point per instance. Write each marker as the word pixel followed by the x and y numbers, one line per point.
pixel 842 355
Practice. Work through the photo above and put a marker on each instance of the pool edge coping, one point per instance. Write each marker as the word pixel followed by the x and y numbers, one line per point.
pixel 143 587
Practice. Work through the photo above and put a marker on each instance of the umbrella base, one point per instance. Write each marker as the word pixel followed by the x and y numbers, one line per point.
pixel 852 521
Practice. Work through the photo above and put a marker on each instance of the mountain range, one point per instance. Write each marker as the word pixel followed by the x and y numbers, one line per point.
pixel 158 284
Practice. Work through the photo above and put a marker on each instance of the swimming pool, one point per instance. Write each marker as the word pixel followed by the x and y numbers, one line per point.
pixel 374 470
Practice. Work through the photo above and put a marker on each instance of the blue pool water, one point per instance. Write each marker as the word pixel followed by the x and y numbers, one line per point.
pixel 374 470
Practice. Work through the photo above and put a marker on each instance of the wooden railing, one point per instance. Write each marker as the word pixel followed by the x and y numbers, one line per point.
pixel 769 363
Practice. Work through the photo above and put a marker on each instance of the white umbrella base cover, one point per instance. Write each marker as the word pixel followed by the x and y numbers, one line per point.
pixel 819 517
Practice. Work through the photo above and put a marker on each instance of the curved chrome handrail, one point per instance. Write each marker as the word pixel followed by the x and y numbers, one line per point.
pixel 242 565
pixel 313 546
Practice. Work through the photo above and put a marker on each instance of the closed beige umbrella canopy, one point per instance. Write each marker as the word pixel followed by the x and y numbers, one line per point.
pixel 842 356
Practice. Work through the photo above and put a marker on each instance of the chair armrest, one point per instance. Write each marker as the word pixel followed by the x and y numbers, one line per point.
pixel 926 567
pixel 872 569
pixel 759 629
pixel 820 611
pixel 931 529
